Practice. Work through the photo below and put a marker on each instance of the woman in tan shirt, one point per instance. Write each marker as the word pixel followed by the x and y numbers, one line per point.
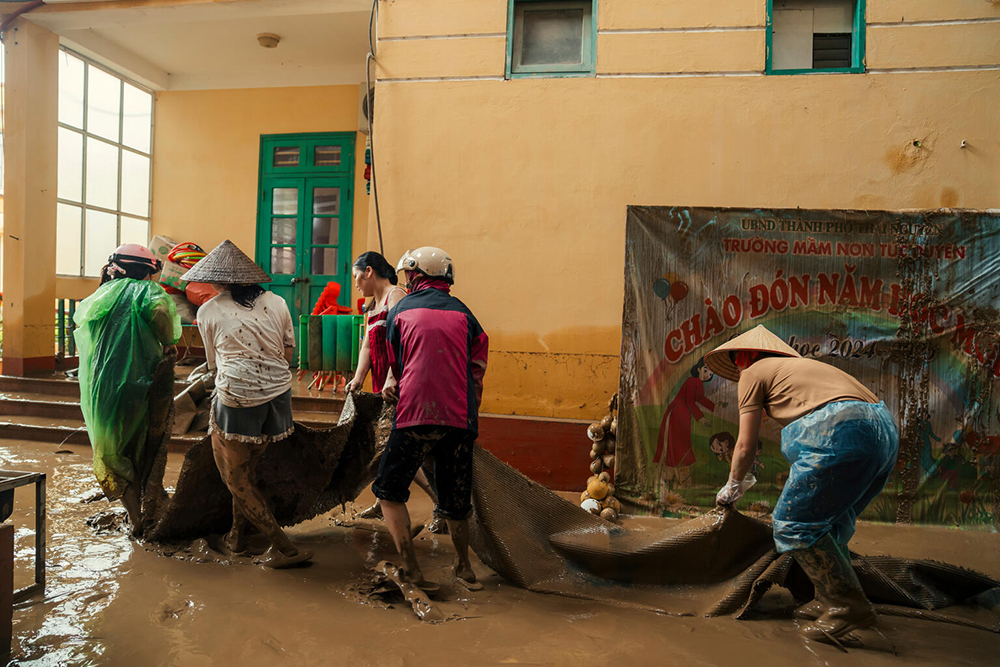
pixel 841 443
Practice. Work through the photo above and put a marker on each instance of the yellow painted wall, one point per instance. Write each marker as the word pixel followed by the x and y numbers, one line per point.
pixel 526 182
pixel 206 154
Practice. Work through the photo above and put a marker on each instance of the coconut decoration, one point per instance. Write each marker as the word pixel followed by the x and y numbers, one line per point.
pixel 595 432
pixel 591 505
pixel 598 489
pixel 599 498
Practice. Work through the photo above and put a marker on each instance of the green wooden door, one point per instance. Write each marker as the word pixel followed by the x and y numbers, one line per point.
pixel 304 224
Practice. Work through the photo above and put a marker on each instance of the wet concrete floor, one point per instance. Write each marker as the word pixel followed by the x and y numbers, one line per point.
pixel 110 601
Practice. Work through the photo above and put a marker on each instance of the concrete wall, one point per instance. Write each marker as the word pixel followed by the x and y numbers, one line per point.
pixel 206 152
pixel 526 182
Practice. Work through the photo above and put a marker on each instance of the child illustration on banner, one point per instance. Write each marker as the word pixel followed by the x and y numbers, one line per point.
pixel 722 445
pixel 675 429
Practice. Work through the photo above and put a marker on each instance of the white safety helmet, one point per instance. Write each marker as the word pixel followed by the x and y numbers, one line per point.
pixel 429 261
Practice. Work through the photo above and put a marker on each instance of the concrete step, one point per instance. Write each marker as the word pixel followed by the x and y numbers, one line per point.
pixel 23 392
pixel 40 406
pixel 74 432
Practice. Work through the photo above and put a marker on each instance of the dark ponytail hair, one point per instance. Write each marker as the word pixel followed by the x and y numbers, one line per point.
pixel 133 270
pixel 376 262
pixel 246 295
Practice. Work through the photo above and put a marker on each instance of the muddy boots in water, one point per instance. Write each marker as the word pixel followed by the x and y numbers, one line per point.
pixel 840 606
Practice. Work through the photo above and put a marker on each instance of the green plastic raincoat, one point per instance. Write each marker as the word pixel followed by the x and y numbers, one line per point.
pixel 121 331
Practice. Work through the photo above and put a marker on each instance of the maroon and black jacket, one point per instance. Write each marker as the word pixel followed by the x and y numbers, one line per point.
pixel 438 352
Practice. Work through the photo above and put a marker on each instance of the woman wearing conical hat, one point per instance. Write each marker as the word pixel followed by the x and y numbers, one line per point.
pixel 249 343
pixel 841 443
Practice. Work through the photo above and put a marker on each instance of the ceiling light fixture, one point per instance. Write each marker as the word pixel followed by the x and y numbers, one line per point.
pixel 268 40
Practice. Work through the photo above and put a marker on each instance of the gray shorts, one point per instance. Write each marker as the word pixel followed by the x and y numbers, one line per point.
pixel 267 422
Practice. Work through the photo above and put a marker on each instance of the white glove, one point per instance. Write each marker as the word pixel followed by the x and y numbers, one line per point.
pixel 734 490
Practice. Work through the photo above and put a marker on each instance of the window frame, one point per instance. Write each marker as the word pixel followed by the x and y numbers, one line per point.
pixel 587 68
pixel 858 31
pixel 85 134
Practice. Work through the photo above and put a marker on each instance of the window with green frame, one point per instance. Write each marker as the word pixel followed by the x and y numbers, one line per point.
pixel 551 38
pixel 815 36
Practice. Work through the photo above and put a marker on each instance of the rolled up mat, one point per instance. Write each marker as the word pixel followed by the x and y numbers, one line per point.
pixel 329 342
pixel 345 329
pixel 304 342
pixel 356 324
pixel 315 343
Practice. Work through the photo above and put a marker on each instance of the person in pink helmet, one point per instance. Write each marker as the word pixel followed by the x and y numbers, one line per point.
pixel 123 331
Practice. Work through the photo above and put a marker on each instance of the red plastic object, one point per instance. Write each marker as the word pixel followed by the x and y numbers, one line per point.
pixel 200 293
pixel 327 304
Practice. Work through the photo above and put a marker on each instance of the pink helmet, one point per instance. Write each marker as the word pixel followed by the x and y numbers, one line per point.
pixel 133 252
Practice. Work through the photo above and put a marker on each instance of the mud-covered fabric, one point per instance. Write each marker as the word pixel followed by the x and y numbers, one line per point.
pixel 841 457
pixel 452 451
pixel 268 422
pixel 120 334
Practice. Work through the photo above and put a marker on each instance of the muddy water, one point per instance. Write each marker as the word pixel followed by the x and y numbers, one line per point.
pixel 111 602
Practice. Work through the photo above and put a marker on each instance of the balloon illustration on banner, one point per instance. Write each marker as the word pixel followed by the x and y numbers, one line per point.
pixel 671 289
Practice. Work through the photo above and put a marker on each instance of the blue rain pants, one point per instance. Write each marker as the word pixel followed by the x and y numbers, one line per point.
pixel 841 456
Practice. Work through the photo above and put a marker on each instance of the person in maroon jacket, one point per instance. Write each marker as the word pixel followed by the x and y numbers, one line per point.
pixel 437 352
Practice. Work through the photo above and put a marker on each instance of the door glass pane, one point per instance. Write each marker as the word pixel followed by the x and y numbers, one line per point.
pixel 283 261
pixel 69 237
pixel 283 230
pixel 104 94
pixel 102 174
pixel 552 36
pixel 327 156
pixel 137 121
pixel 324 261
pixel 285 201
pixel 134 230
pixel 326 201
pixel 286 156
pixel 325 231
pixel 101 236
pixel 70 91
pixel 70 184
pixel 135 184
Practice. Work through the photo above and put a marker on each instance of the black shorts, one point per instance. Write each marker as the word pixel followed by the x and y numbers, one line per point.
pixel 452 451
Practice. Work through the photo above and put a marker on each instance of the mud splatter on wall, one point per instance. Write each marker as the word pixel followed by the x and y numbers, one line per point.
pixel 904 301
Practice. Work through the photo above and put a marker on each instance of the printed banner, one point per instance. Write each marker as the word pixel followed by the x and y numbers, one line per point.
pixel 904 301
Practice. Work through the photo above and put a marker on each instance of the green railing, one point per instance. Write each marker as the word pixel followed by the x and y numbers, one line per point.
pixel 65 343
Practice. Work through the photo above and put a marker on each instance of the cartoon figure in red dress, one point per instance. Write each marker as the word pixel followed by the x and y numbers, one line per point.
pixel 675 430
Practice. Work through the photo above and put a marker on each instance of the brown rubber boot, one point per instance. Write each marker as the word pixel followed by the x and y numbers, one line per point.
pixel 837 586
pixel 810 611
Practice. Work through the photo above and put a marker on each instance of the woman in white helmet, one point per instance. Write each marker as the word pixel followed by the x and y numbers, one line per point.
pixel 438 353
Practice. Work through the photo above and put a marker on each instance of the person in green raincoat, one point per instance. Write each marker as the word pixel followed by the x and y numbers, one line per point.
pixel 122 332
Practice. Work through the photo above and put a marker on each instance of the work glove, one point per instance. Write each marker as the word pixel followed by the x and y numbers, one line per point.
pixel 734 490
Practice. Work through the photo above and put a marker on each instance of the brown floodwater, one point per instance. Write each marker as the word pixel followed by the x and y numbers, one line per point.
pixel 110 601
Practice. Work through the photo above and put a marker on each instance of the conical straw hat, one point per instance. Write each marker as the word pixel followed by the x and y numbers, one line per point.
pixel 226 265
pixel 758 339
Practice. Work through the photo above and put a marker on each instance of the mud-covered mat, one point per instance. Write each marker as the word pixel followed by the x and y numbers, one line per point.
pixel 303 476
pixel 721 563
